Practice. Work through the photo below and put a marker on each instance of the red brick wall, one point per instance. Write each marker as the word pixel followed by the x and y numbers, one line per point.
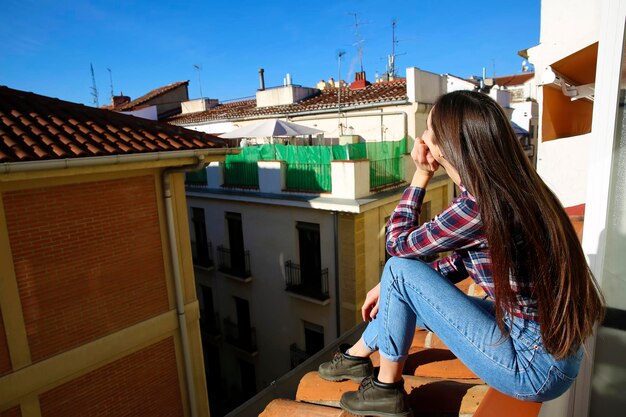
pixel 88 260
pixel 11 412
pixel 144 383
pixel 5 359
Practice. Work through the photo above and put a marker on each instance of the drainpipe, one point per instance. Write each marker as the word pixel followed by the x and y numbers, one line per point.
pixel 180 303
pixel 337 297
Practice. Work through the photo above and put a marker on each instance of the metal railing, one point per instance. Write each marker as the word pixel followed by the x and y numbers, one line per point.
pixel 384 172
pixel 241 174
pixel 313 284
pixel 202 254
pixel 308 177
pixel 297 355
pixel 242 338
pixel 235 264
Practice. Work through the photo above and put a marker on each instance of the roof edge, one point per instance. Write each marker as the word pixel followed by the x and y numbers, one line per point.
pixel 92 161
pixel 294 114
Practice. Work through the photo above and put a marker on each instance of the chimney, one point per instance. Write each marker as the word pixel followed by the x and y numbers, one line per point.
pixel 262 79
pixel 359 81
pixel 119 100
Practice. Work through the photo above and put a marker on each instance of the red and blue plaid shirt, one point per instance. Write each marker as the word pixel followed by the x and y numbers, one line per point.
pixel 458 229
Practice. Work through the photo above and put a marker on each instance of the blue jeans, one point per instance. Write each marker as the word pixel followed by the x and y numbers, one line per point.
pixel 413 294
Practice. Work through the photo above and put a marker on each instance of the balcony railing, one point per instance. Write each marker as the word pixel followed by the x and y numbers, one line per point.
pixel 312 284
pixel 240 337
pixel 233 263
pixel 202 254
pixel 385 172
pixel 297 355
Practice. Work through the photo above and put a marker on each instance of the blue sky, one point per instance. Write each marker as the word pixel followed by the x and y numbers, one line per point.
pixel 48 46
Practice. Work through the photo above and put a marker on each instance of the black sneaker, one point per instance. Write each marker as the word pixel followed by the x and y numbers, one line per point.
pixel 375 398
pixel 344 366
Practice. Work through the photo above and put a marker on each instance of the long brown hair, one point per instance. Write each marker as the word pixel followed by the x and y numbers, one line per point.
pixel 530 236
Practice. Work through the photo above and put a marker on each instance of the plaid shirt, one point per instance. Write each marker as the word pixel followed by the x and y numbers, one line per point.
pixel 458 229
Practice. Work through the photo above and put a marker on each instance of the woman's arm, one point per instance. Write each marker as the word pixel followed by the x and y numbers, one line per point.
pixel 451 267
pixel 457 227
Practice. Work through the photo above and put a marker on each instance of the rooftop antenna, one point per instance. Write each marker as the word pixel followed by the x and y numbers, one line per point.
pixel 358 41
pixel 111 80
pixel 94 89
pixel 392 60
pixel 198 68
pixel 340 54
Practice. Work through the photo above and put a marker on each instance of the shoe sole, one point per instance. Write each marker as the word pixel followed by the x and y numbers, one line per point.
pixel 374 413
pixel 340 378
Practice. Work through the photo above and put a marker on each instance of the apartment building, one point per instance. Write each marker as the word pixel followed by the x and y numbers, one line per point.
pixel 98 309
pixel 288 239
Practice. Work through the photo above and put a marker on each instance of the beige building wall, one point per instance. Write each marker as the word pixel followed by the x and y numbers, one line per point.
pixel 111 348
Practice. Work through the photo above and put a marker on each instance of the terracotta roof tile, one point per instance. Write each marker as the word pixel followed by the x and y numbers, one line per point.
pixel 383 92
pixel 34 127
pixel 138 102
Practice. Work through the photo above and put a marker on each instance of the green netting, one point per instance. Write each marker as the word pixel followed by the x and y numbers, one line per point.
pixel 308 167
pixel 241 170
pixel 196 177
pixel 386 163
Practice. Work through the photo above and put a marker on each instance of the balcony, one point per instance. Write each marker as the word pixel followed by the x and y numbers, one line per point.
pixel 307 283
pixel 240 337
pixel 297 355
pixel 234 264
pixel 350 171
pixel 202 254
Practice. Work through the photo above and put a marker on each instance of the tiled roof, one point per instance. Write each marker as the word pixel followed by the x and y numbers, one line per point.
pixel 516 79
pixel 377 93
pixel 134 104
pixel 34 127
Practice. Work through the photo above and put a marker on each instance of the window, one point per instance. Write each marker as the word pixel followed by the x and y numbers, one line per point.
pixel 235 260
pixel 200 247
pixel 310 255
pixel 235 240
pixel 208 318
pixel 308 278
pixel 313 338
pixel 248 378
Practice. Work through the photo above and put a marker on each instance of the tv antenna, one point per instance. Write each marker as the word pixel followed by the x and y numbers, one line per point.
pixel 340 54
pixel 358 41
pixel 391 59
pixel 111 80
pixel 198 68
pixel 94 89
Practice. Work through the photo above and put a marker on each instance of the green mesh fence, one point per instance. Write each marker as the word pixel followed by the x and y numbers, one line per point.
pixel 196 177
pixel 308 167
pixel 386 163
pixel 241 170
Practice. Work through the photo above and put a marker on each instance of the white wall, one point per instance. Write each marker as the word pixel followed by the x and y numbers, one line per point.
pixel 423 86
pixel 370 124
pixel 455 84
pixel 271 236
pixel 563 164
